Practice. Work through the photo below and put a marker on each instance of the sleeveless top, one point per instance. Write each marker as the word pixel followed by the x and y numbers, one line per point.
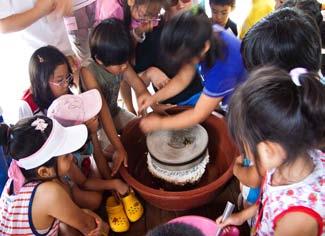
pixel 109 85
pixel 16 214
pixel 307 196
pixel 28 107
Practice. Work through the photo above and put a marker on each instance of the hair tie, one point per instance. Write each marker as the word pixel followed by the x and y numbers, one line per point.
pixel 295 73
pixel 16 175
pixel 195 9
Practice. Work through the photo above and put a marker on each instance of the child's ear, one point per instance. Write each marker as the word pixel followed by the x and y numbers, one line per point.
pixel 131 3
pixel 271 154
pixel 45 172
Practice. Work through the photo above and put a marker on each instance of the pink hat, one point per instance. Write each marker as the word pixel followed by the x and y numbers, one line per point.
pixel 71 110
pixel 207 226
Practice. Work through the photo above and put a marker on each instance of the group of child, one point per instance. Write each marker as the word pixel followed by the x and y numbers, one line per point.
pixel 267 86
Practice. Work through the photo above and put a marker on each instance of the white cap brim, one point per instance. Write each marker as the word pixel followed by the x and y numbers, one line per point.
pixel 61 141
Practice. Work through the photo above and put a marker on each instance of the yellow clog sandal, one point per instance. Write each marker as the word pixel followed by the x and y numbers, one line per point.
pixel 117 219
pixel 132 206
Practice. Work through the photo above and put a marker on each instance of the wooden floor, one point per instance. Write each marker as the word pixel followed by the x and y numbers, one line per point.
pixel 154 216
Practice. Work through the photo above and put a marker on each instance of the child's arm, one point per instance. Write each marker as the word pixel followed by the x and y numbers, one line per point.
pixel 51 200
pixel 20 21
pixel 246 175
pixel 188 118
pixel 106 120
pixel 134 81
pixel 300 224
pixel 99 157
pixel 238 218
pixel 96 184
pixel 176 85
pixel 126 94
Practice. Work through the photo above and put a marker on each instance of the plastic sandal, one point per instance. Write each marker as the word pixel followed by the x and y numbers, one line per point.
pixel 117 219
pixel 132 206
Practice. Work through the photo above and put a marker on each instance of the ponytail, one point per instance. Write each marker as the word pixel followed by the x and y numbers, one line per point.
pixel 313 104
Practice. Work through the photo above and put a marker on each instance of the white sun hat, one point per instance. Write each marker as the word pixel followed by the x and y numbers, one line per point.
pixel 62 140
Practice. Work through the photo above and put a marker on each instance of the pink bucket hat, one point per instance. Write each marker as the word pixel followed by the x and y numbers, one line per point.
pixel 71 110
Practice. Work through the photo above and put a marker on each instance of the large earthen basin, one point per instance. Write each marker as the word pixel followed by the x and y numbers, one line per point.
pixel 165 196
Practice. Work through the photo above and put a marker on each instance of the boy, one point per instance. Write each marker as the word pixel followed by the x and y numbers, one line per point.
pixel 220 10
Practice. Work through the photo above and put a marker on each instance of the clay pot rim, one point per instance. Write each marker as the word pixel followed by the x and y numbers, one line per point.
pixel 147 191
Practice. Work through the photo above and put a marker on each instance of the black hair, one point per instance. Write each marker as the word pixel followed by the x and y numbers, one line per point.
pixel 269 106
pixel 110 42
pixel 286 38
pixel 310 7
pixel 41 66
pixel 231 3
pixel 184 37
pixel 22 140
pixel 127 11
pixel 175 229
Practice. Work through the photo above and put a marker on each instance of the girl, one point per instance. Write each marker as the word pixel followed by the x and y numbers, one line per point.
pixel 71 110
pixel 277 119
pixel 189 40
pixel 50 77
pixel 34 201
pixel 110 47
pixel 140 16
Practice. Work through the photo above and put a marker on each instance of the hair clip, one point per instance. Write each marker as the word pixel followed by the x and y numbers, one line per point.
pixel 295 73
pixel 195 9
pixel 41 60
pixel 39 124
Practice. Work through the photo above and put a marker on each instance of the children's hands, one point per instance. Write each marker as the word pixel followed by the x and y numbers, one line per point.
pixel 121 187
pixel 234 219
pixel 44 7
pixel 145 100
pixel 101 229
pixel 92 125
pixel 119 157
pixel 150 123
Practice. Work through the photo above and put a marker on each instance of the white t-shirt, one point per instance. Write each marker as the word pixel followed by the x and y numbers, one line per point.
pixel 77 4
pixel 45 31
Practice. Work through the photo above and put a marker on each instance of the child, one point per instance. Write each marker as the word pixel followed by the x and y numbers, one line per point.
pixel 71 110
pixel 286 38
pixel 140 16
pixel 110 47
pixel 220 10
pixel 50 77
pixel 282 141
pixel 189 40
pixel 250 182
pixel 175 229
pixel 34 201
pixel 260 9
pixel 83 108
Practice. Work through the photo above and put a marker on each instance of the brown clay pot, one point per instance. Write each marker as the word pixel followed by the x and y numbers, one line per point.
pixel 162 195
